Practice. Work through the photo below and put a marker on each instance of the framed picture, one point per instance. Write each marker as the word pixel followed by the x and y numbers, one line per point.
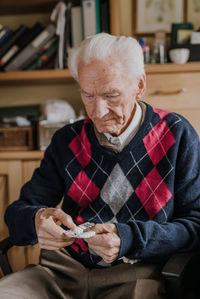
pixel 193 12
pixel 154 15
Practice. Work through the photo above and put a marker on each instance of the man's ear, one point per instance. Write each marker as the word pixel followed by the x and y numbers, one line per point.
pixel 141 87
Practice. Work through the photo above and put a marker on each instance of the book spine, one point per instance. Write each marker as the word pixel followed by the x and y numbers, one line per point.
pixel 9 54
pixel 5 34
pixel 21 43
pixel 29 53
pixel 104 16
pixel 97 10
pixel 11 41
pixel 76 25
pixel 67 34
pixel 91 17
pixel 44 57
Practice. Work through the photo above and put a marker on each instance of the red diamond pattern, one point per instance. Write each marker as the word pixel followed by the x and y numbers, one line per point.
pixel 81 147
pixel 158 141
pixel 153 193
pixel 161 113
pixel 83 190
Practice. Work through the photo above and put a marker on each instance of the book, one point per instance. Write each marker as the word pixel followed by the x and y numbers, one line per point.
pixel 58 15
pixel 67 34
pixel 179 26
pixel 20 43
pixel 30 52
pixel 48 52
pixel 105 16
pixel 195 38
pixel 5 33
pixel 76 25
pixel 11 41
pixel 91 17
pixel 61 15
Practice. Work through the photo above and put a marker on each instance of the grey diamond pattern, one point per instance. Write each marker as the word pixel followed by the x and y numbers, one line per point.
pixel 116 190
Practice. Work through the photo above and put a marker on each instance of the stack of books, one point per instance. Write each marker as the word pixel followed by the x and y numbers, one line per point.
pixel 46 47
pixel 26 46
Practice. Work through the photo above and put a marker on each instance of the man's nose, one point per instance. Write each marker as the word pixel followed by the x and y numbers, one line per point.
pixel 101 108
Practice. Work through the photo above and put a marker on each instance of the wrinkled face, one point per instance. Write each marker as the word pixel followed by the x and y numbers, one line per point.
pixel 108 95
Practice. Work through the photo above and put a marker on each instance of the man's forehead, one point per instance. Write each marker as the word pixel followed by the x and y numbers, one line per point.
pixel 107 65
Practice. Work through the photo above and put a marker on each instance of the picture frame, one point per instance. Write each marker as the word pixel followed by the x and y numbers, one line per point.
pixel 154 15
pixel 193 12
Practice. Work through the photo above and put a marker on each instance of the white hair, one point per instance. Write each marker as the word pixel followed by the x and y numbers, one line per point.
pixel 102 45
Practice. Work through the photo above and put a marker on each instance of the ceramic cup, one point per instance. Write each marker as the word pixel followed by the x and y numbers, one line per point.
pixel 179 56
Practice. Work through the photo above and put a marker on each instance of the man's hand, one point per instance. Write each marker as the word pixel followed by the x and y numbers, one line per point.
pixel 50 235
pixel 106 243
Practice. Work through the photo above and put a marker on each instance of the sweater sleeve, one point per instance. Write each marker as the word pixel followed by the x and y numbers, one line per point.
pixel 151 241
pixel 45 189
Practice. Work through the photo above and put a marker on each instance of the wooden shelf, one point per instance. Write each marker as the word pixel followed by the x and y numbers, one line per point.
pixel 9 7
pixel 172 68
pixel 21 155
pixel 64 76
pixel 37 76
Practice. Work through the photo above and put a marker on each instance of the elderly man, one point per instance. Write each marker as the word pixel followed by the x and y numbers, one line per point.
pixel 130 169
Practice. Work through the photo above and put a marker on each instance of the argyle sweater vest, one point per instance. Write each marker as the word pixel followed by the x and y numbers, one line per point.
pixel 150 190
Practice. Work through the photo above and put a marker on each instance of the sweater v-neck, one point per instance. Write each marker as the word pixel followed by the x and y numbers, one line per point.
pixel 97 149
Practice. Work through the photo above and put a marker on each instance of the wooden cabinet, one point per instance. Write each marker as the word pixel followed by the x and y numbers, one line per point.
pixel 16 168
pixel 175 88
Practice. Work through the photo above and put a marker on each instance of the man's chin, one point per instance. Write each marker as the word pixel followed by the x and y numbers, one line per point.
pixel 106 129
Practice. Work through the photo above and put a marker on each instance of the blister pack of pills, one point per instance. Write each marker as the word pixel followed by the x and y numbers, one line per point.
pixel 80 232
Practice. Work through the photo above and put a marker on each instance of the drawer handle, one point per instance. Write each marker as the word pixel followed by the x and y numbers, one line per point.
pixel 166 93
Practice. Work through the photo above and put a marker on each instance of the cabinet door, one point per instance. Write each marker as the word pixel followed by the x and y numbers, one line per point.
pixel 28 167
pixel 10 185
pixel 13 174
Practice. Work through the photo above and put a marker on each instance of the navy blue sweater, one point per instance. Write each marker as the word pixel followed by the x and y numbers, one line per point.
pixel 151 189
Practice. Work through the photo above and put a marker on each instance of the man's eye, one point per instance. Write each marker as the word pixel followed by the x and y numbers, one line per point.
pixel 113 97
pixel 89 97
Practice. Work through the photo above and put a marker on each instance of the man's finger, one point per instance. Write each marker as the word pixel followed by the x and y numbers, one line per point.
pixel 58 215
pixel 64 218
pixel 105 228
pixel 107 240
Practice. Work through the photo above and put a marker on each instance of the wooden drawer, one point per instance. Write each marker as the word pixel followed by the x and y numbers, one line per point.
pixel 177 92
pixel 174 91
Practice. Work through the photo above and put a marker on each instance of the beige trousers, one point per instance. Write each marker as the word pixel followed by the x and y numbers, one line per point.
pixel 59 276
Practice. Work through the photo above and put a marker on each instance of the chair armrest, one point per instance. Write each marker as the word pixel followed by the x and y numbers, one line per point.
pixel 4 262
pixel 178 263
pixel 5 245
pixel 182 274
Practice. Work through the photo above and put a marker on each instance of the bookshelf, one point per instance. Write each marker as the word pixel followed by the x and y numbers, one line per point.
pixel 35 87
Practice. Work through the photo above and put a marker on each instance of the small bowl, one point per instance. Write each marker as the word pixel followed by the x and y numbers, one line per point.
pixel 179 56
